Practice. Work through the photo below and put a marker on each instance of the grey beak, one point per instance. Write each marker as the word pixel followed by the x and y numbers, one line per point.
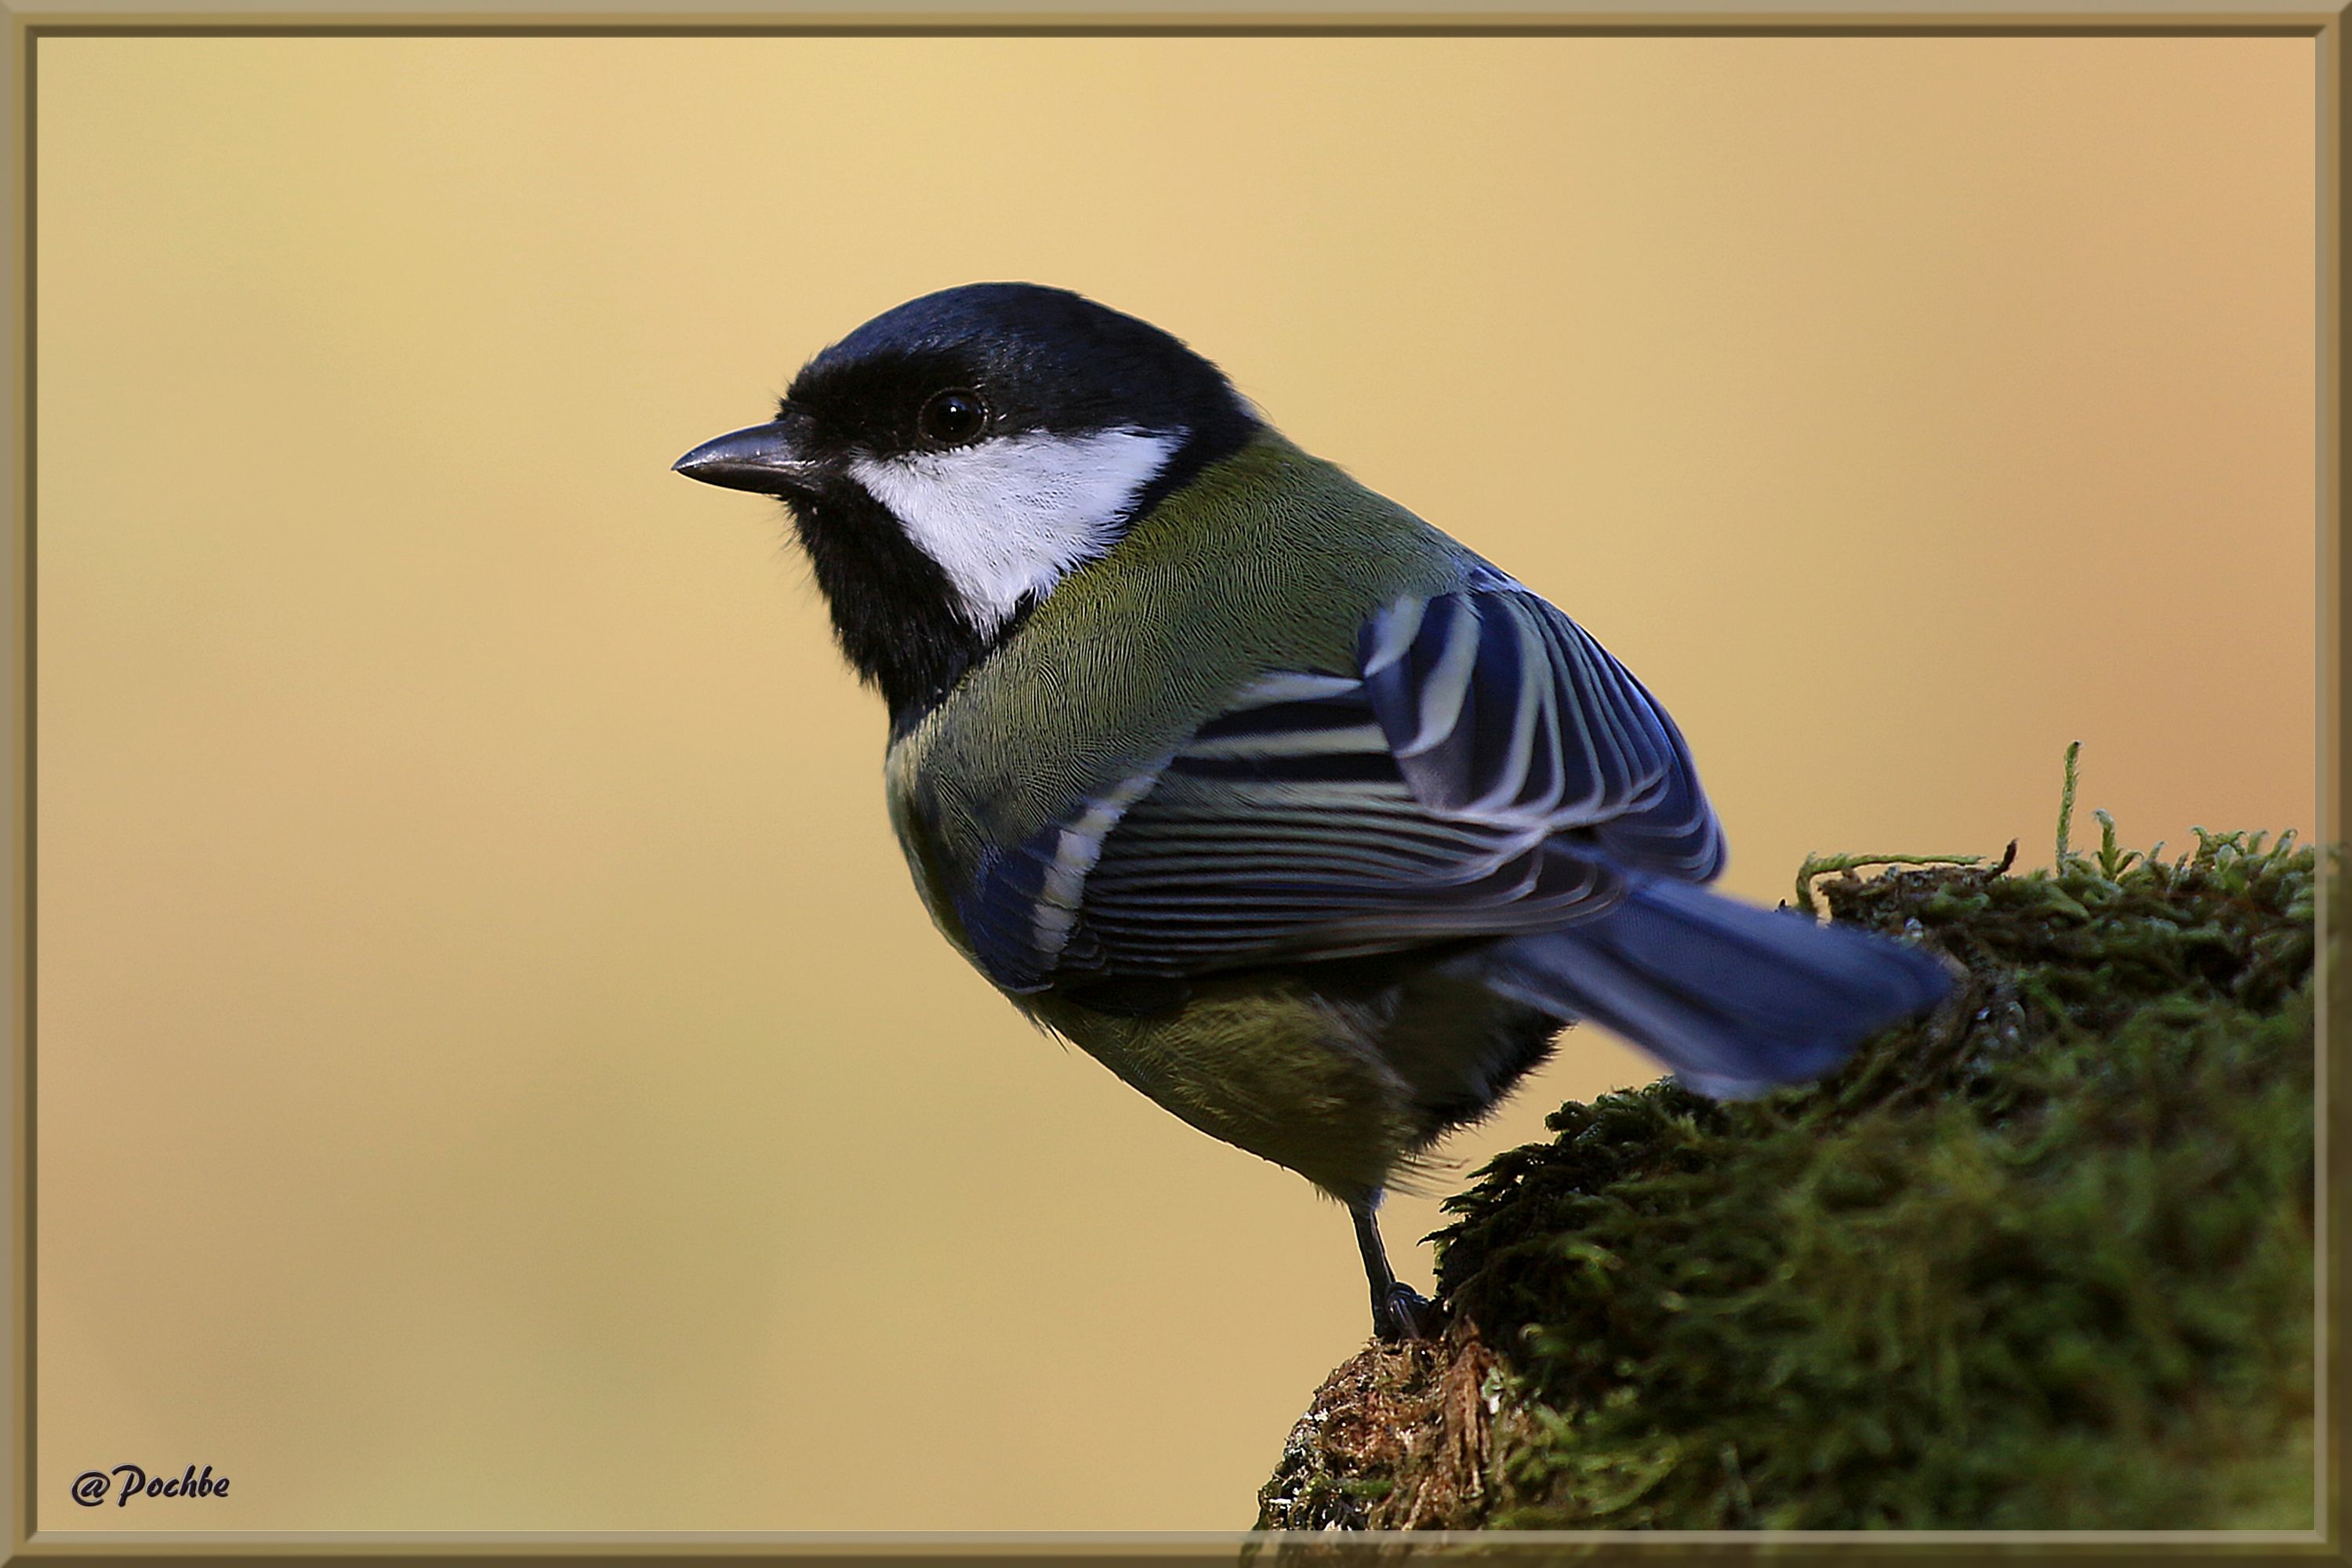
pixel 763 458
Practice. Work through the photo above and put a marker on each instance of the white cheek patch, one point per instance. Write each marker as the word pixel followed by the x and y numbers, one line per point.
pixel 1009 517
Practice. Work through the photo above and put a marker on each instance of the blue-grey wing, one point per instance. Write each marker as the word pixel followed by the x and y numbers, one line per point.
pixel 1488 769
pixel 1499 707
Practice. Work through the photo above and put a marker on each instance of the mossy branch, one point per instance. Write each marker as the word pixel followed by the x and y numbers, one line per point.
pixel 1816 866
pixel 2042 1261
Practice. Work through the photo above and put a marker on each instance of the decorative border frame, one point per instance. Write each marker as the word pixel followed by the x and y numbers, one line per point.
pixel 25 23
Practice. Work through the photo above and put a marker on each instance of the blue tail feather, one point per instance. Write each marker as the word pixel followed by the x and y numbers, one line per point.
pixel 1735 999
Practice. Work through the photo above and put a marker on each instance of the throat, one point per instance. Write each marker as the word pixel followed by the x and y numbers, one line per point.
pixel 897 618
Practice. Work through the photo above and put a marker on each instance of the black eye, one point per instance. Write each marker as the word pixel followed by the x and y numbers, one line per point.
pixel 952 417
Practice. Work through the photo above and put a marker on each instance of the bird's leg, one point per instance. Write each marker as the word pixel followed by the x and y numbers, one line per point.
pixel 1399 1312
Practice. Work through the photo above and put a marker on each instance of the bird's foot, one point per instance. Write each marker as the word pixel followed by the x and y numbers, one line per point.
pixel 1404 1314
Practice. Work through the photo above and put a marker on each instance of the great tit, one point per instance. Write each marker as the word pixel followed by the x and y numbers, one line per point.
pixel 1293 812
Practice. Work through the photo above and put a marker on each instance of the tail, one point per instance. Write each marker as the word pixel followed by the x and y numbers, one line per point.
pixel 1735 999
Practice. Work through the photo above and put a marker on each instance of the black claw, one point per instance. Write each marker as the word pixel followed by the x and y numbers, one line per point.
pixel 1406 1314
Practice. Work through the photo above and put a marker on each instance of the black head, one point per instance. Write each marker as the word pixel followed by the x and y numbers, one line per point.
pixel 952 459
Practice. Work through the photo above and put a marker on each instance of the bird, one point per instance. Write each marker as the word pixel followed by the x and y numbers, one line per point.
pixel 1294 811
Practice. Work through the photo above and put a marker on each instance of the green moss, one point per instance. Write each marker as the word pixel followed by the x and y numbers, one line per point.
pixel 2042 1261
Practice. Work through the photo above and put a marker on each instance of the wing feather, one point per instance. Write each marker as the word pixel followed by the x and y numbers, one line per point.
pixel 1492 770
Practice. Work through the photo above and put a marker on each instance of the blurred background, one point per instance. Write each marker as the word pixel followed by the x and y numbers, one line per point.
pixel 494 1070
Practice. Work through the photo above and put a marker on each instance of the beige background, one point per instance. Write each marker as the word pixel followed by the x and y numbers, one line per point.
pixel 494 1071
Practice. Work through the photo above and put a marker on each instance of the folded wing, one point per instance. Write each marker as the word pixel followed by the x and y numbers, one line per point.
pixel 1489 769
